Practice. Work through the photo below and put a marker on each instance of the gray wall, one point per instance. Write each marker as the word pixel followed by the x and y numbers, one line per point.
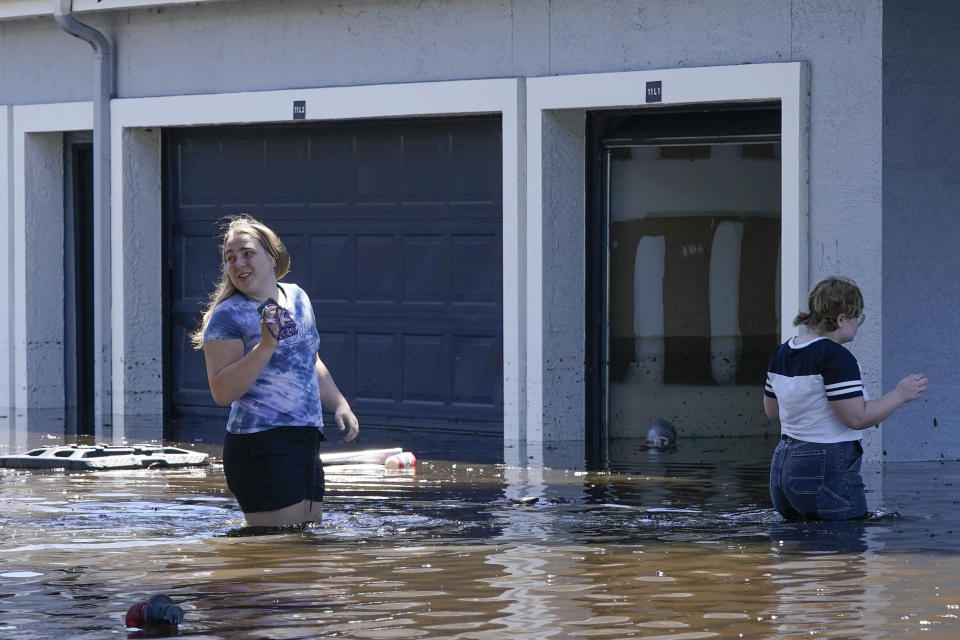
pixel 43 161
pixel 843 42
pixel 273 44
pixel 564 306
pixel 921 225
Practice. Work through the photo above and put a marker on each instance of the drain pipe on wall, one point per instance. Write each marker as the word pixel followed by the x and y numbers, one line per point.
pixel 103 91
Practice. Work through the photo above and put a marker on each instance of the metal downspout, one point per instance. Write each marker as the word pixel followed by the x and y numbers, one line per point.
pixel 103 82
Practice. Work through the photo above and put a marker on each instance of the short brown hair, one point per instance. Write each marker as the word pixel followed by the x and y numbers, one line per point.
pixel 829 299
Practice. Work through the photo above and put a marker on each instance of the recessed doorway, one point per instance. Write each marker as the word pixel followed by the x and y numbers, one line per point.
pixel 683 270
pixel 78 285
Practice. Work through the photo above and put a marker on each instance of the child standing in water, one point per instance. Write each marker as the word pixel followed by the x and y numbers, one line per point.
pixel 814 388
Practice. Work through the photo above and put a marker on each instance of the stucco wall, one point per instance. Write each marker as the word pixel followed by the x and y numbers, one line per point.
pixel 563 291
pixel 142 286
pixel 921 228
pixel 43 161
pixel 273 44
pixel 844 47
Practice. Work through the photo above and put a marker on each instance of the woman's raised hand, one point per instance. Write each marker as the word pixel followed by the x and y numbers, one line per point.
pixel 269 326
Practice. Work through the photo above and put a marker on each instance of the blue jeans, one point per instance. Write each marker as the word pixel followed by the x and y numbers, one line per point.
pixel 817 481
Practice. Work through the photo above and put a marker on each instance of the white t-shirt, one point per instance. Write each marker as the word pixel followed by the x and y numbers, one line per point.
pixel 804 380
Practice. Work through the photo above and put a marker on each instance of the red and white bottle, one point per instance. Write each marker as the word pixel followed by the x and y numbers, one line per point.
pixel 402 460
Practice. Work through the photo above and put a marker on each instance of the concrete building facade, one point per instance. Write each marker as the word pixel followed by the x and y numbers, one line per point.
pixel 865 153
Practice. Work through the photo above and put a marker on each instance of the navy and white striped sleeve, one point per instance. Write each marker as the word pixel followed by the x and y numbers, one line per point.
pixel 841 374
pixel 768 387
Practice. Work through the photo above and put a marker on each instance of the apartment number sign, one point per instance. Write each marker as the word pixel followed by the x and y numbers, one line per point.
pixel 655 91
pixel 299 109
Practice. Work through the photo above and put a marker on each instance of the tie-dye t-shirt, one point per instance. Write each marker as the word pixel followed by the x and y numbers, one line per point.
pixel 287 392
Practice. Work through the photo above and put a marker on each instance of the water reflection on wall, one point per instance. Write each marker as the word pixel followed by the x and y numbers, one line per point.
pixel 694 287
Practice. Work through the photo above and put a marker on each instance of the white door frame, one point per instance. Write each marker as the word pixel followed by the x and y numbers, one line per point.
pixel 554 102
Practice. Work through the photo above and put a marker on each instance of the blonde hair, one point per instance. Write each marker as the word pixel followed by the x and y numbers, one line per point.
pixel 829 299
pixel 272 245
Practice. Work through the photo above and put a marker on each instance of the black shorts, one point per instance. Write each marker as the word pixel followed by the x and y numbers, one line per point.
pixel 273 469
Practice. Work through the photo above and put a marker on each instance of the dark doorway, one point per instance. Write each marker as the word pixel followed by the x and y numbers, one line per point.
pixel 395 231
pixel 78 288
pixel 683 258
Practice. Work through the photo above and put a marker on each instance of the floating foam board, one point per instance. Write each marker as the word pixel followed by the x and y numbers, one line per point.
pixel 98 457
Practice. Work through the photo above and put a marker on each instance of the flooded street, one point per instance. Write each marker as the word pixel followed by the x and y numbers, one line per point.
pixel 667 546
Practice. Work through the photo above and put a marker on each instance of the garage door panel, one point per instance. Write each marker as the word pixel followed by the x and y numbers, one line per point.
pixel 444 212
pixel 376 378
pixel 284 176
pixel 476 370
pixel 477 270
pixel 394 230
pixel 329 175
pixel 376 262
pixel 205 212
pixel 475 171
pixel 200 176
pixel 332 268
pixel 425 370
pixel 298 247
pixel 199 270
pixel 337 351
pixel 475 211
pixel 424 154
pixel 376 157
pixel 191 366
pixel 239 185
pixel 445 370
pixel 423 258
pixel 414 226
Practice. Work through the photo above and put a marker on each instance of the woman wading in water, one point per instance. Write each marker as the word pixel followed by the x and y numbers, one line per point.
pixel 259 339
pixel 815 390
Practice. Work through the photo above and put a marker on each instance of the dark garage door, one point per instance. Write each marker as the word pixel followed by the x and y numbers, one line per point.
pixel 395 231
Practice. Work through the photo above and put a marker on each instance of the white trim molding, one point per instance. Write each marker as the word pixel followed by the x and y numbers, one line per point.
pixel 554 99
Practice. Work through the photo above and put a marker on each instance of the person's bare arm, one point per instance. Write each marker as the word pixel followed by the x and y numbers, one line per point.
pixel 332 399
pixel 771 407
pixel 230 373
pixel 856 413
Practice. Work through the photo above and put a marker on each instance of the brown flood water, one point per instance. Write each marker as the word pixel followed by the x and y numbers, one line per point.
pixel 667 547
